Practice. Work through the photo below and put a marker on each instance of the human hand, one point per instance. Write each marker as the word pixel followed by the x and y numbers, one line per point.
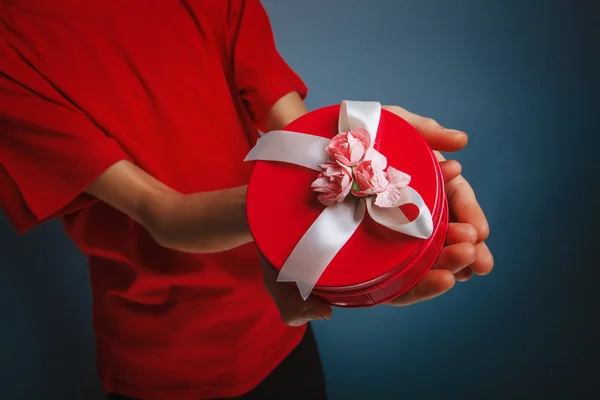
pixel 460 250
pixel 465 251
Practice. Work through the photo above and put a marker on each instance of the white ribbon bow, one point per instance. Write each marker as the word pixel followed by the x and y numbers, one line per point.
pixel 338 222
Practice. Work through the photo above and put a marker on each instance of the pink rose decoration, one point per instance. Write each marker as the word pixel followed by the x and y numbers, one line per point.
pixel 334 183
pixel 391 195
pixel 349 148
pixel 370 176
pixel 360 170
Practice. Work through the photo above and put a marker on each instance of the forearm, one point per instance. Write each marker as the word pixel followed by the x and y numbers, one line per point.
pixel 286 110
pixel 127 187
pixel 204 222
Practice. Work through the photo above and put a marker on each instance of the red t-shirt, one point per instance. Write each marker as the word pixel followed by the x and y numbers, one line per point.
pixel 181 89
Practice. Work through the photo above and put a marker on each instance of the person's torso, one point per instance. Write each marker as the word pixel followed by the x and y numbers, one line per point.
pixel 157 76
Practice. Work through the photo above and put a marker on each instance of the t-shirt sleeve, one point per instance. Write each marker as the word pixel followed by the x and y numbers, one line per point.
pixel 49 150
pixel 261 74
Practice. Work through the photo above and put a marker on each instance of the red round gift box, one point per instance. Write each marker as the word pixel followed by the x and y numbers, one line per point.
pixel 376 264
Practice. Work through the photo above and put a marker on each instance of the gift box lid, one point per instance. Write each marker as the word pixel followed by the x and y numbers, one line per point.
pixel 281 206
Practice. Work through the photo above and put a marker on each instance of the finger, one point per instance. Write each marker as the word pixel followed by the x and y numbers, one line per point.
pixel 438 137
pixel 435 283
pixel 463 275
pixel 450 169
pixel 484 263
pixel 461 233
pixel 456 257
pixel 294 310
pixel 465 208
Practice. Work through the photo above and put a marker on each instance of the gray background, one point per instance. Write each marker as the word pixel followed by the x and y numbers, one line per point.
pixel 520 78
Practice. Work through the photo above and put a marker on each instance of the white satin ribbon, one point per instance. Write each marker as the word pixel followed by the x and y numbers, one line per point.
pixel 338 222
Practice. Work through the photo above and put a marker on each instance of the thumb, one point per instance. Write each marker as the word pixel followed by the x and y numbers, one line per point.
pixel 294 310
pixel 438 137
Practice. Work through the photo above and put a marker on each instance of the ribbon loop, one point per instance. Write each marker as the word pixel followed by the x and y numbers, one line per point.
pixel 393 218
pixel 338 222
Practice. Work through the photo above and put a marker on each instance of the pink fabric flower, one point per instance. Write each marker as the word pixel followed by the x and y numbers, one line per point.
pixel 349 148
pixel 370 176
pixel 360 170
pixel 334 183
pixel 391 195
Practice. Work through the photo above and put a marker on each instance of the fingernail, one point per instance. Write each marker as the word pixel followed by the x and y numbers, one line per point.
pixel 453 131
pixel 314 314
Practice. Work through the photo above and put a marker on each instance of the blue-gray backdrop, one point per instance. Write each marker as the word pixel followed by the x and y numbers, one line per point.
pixel 520 77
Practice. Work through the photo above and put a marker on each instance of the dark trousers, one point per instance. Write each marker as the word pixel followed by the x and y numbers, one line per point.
pixel 299 377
